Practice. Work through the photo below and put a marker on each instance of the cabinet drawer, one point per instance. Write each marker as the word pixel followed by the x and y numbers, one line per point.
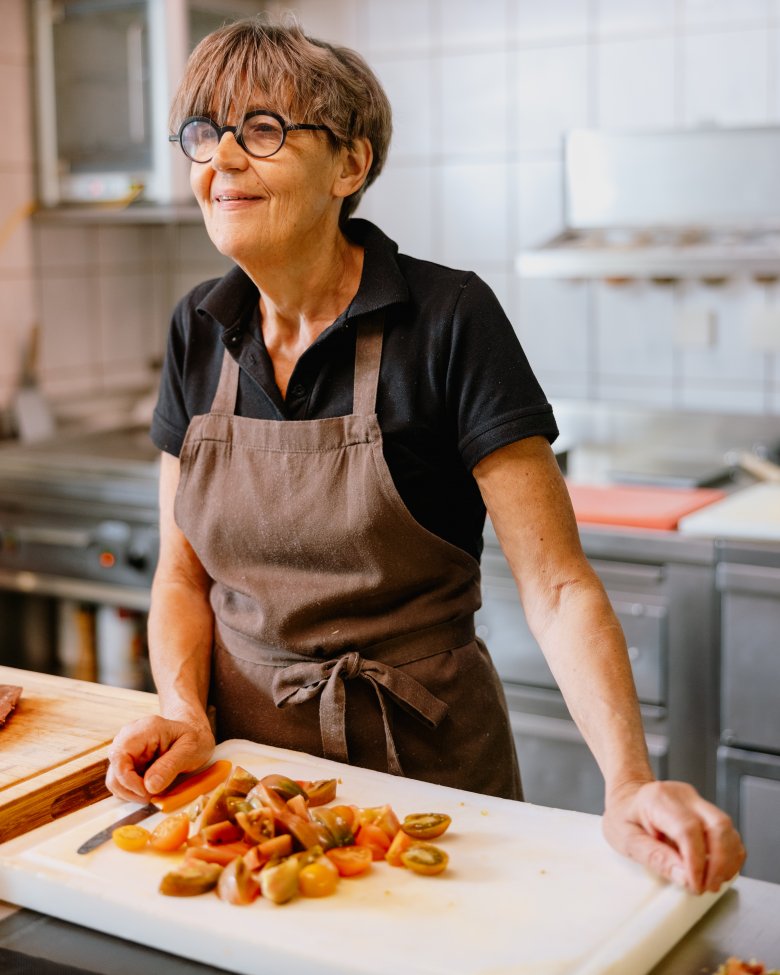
pixel 749 791
pixel 502 625
pixel 750 624
pixel 556 767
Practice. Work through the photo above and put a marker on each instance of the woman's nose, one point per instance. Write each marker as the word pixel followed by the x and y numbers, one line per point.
pixel 228 154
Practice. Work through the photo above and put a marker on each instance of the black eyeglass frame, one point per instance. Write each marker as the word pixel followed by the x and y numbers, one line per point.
pixel 237 132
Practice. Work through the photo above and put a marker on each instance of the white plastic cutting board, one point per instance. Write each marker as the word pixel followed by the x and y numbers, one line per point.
pixel 529 891
pixel 753 512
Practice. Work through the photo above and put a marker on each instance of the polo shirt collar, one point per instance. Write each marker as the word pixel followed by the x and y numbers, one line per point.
pixel 233 299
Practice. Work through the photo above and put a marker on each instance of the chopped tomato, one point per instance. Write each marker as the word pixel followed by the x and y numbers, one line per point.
pixel 131 838
pixel 401 843
pixel 222 854
pixel 426 826
pixel 222 832
pixel 319 792
pixel 425 858
pixel 381 816
pixel 350 815
pixel 170 833
pixel 318 879
pixel 374 838
pixel 351 860
pixel 236 884
pixel 298 805
pixel 190 879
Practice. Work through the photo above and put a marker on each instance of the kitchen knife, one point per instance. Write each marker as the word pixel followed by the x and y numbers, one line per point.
pixel 183 790
pixel 105 834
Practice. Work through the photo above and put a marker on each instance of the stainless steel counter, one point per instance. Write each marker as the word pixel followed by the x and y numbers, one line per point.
pixel 743 923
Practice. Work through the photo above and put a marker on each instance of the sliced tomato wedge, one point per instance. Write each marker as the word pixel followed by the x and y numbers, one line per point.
pixel 351 860
pixel 222 854
pixel 401 843
pixel 170 833
pixel 375 839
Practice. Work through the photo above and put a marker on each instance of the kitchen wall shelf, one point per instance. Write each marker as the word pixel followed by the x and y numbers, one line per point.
pixel 135 213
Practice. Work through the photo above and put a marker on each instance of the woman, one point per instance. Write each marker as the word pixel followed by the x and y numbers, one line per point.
pixel 334 419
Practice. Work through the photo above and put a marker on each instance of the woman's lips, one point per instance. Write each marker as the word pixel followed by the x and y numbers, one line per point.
pixel 231 201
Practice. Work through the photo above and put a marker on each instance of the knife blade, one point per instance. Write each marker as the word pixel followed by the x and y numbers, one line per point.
pixel 185 788
pixel 130 820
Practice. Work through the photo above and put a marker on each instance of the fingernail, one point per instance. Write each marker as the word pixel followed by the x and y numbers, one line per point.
pixel 154 783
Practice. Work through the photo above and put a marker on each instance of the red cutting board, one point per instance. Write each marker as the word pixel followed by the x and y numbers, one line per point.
pixel 638 507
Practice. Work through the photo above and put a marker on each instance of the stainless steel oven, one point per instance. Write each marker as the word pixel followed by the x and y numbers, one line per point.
pixel 78 548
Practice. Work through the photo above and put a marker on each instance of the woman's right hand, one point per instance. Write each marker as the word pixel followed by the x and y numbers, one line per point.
pixel 148 754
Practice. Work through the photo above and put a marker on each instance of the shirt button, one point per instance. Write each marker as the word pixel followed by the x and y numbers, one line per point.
pixel 298 391
pixel 235 339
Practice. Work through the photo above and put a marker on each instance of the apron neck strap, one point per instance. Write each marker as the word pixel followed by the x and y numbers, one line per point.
pixel 227 388
pixel 368 355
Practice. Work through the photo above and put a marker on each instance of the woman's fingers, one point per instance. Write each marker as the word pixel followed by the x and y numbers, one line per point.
pixel 671 829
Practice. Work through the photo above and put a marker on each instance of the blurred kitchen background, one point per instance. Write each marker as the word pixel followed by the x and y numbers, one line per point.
pixel 482 94
pixel 523 131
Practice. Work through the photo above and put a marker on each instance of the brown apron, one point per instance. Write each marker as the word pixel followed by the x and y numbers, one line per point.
pixel 343 628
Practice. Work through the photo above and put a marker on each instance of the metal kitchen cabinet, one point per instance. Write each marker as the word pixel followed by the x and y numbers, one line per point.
pixel 749 791
pixel 662 590
pixel 748 582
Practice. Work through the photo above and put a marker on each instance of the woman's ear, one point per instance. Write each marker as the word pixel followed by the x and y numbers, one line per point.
pixel 355 162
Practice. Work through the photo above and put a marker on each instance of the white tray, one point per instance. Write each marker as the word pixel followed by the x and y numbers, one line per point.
pixel 529 890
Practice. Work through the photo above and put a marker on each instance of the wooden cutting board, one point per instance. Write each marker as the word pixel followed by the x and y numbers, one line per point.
pixel 638 507
pixel 53 746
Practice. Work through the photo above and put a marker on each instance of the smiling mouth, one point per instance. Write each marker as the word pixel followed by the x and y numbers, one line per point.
pixel 232 197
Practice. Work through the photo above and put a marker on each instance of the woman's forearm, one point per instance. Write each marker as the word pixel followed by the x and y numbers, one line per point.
pixel 180 639
pixel 584 645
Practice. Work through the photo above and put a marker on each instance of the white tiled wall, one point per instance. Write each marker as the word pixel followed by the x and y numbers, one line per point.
pixel 482 90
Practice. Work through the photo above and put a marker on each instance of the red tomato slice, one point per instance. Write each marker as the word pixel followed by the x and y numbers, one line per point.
pixel 375 838
pixel 351 860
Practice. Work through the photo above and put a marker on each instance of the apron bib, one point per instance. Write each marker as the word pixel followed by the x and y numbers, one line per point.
pixel 343 628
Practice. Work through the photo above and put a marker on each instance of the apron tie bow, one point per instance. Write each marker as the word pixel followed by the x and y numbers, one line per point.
pixel 302 682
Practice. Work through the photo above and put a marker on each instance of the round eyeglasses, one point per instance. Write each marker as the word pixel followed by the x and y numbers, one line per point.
pixel 261 134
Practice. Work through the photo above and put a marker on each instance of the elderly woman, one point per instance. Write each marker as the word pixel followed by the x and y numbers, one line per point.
pixel 335 419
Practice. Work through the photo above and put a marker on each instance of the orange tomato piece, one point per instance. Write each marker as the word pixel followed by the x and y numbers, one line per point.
pixel 401 843
pixel 375 838
pixel 350 860
pixel 170 833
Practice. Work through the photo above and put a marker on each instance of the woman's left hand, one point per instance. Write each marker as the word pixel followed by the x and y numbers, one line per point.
pixel 672 830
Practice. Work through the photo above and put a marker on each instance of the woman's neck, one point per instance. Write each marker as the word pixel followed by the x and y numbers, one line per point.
pixel 299 300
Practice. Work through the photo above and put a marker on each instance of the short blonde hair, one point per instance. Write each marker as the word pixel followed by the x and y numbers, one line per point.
pixel 302 78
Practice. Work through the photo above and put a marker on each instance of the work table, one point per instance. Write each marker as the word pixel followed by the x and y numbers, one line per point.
pixel 743 923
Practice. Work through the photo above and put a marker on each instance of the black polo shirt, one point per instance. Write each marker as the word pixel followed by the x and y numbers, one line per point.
pixel 454 383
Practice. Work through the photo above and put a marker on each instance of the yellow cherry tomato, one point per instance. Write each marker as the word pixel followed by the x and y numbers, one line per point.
pixel 131 838
pixel 318 879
